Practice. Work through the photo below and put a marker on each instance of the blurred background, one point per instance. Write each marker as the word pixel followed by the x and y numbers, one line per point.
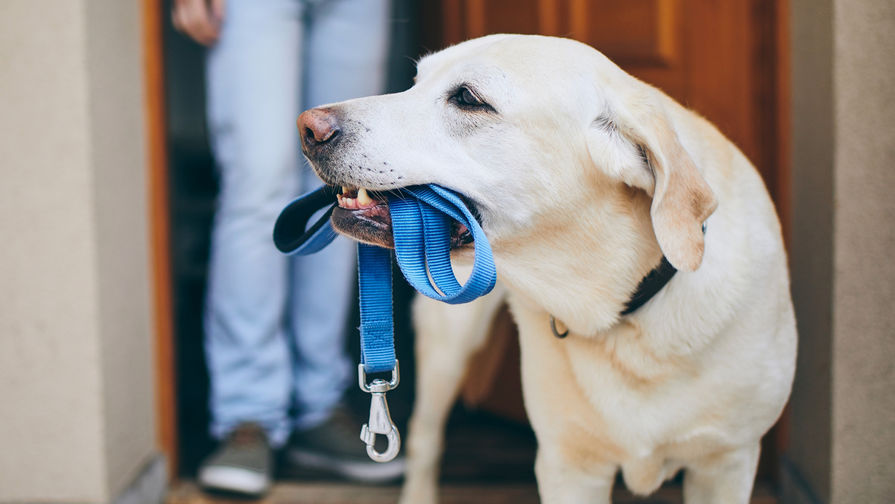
pixel 109 194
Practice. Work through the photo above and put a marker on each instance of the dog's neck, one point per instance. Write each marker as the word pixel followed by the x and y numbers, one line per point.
pixel 584 269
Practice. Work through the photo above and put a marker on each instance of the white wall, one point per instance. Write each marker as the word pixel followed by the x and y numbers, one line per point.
pixel 863 351
pixel 76 398
pixel 842 447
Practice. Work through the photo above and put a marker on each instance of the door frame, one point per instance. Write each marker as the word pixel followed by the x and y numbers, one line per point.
pixel 160 231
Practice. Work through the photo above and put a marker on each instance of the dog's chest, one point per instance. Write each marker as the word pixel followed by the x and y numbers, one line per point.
pixel 621 404
pixel 643 398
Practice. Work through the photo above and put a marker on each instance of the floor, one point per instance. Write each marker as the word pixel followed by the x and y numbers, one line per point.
pixel 335 493
pixel 488 460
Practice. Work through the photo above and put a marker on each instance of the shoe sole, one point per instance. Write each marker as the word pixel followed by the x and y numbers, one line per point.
pixel 365 472
pixel 234 479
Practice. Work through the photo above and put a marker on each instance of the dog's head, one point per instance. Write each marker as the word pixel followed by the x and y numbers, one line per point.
pixel 536 132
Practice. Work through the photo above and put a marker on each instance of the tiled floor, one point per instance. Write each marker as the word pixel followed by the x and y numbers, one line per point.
pixel 334 493
pixel 487 461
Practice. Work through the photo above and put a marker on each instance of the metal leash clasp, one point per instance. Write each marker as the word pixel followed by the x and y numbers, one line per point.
pixel 380 419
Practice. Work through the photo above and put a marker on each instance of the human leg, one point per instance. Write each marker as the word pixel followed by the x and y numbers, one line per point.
pixel 253 85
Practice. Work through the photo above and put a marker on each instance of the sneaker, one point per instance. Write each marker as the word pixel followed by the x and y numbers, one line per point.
pixel 242 464
pixel 334 447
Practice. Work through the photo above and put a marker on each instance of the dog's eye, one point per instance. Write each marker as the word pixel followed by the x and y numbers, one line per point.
pixel 468 98
pixel 465 98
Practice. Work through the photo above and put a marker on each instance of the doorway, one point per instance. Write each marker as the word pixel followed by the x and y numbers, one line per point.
pixel 724 59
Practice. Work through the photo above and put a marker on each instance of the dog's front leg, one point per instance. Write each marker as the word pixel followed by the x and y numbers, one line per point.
pixel 722 479
pixel 446 337
pixel 559 483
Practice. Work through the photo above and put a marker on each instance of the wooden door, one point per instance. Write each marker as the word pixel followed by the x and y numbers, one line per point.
pixel 726 59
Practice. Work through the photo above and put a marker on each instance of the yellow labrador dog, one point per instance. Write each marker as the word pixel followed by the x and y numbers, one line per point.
pixel 584 179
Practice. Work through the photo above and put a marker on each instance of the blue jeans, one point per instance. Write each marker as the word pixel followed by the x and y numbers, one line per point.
pixel 275 325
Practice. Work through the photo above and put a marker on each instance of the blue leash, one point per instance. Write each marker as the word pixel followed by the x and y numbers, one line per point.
pixel 421 226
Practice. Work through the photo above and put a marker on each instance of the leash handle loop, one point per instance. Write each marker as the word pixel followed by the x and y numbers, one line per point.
pixel 421 229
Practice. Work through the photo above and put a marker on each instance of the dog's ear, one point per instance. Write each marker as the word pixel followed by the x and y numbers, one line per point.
pixel 682 199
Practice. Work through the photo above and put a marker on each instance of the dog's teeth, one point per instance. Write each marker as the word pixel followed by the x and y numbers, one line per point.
pixel 363 198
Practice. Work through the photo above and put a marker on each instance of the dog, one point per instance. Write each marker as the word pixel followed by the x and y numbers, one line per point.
pixel 585 179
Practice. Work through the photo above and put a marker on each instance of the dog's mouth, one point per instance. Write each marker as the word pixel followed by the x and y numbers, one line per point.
pixel 364 215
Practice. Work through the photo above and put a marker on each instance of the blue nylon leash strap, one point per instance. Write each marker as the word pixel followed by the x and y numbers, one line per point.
pixel 421 226
pixel 422 231
pixel 377 330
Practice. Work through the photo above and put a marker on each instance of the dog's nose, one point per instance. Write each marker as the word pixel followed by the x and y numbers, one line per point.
pixel 318 127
